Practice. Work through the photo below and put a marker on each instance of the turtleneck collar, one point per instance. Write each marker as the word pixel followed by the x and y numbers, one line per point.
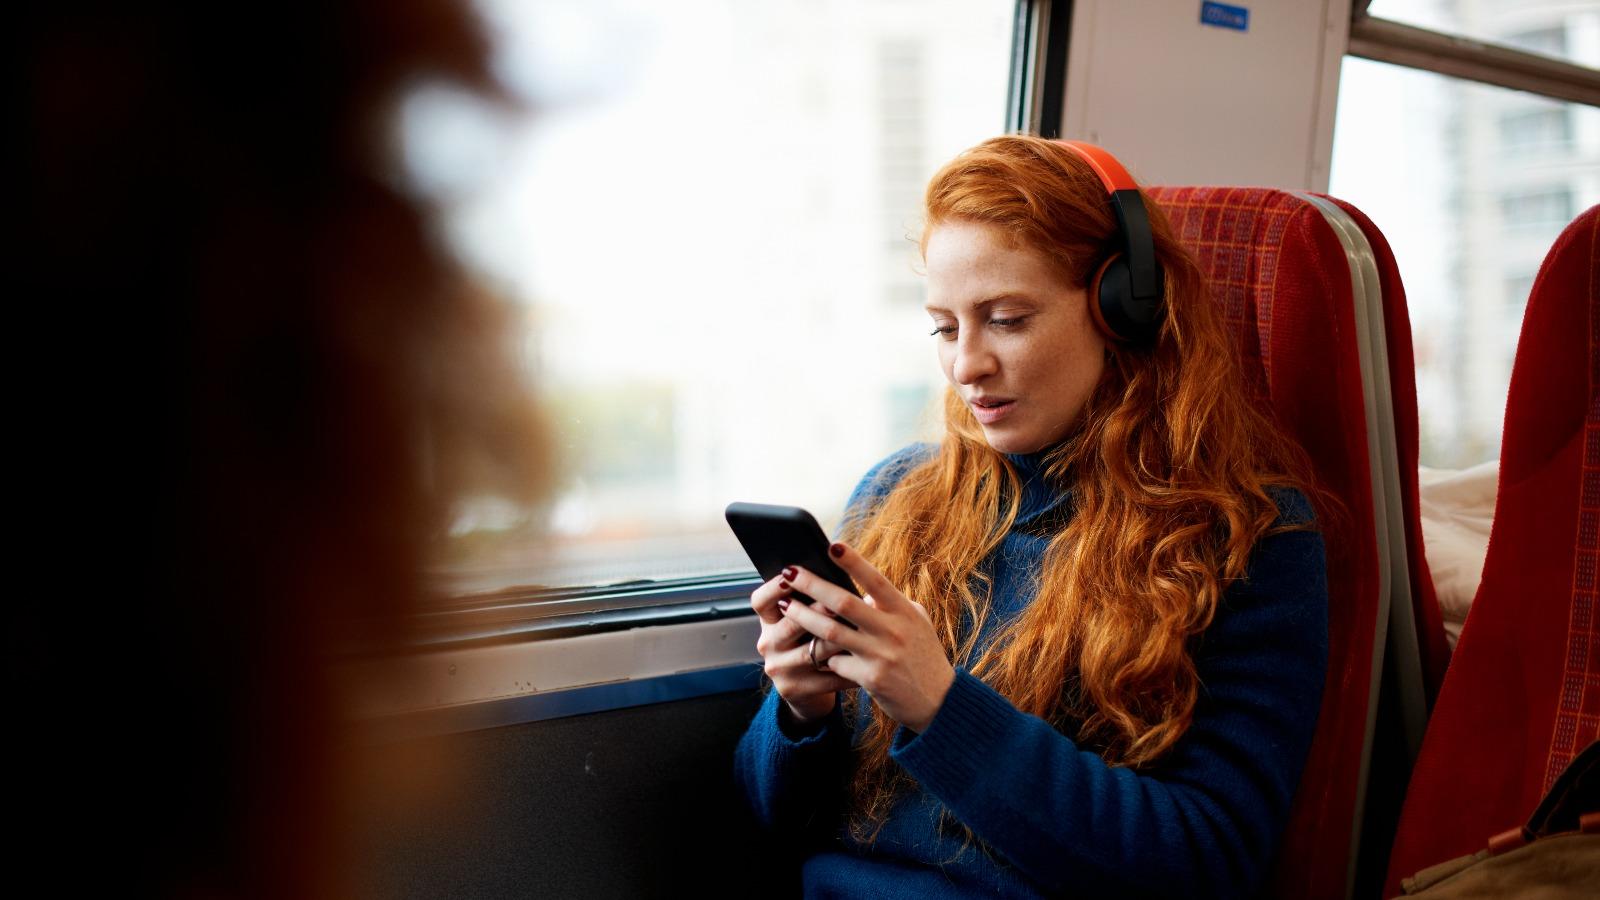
pixel 1028 465
pixel 1037 495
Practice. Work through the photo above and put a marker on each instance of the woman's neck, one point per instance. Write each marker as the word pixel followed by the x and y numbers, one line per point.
pixel 1037 494
pixel 1031 465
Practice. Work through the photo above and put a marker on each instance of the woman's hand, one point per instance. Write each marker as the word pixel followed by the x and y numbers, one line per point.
pixel 895 655
pixel 786 650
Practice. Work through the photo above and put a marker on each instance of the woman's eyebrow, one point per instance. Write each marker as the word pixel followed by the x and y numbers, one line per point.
pixel 981 304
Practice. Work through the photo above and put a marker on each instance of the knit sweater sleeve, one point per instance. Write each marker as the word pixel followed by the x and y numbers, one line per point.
pixel 793 776
pixel 1205 821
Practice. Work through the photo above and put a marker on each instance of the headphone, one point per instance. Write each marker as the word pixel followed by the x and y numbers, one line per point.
pixel 1125 291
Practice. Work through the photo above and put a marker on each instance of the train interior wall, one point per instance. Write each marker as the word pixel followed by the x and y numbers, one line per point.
pixel 636 802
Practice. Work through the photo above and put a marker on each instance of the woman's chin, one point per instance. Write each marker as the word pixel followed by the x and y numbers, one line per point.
pixel 1010 442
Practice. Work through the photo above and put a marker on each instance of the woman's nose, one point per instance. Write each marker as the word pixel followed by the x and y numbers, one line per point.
pixel 973 361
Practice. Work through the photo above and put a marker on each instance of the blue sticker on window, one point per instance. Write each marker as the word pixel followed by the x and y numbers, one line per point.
pixel 1222 15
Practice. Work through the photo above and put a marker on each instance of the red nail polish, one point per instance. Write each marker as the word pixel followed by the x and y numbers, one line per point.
pixel 783 606
pixel 837 550
pixel 784 586
pixel 789 572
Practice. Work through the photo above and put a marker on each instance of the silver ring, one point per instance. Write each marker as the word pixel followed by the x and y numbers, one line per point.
pixel 819 666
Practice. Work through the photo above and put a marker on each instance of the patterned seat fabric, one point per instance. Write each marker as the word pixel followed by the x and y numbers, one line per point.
pixel 1283 281
pixel 1522 694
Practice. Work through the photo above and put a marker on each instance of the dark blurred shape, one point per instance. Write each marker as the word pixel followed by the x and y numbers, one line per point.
pixel 260 381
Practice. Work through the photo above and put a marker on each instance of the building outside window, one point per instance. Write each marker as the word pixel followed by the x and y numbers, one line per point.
pixel 709 217
pixel 1471 184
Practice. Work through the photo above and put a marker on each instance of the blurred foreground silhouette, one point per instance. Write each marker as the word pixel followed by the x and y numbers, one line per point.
pixel 260 381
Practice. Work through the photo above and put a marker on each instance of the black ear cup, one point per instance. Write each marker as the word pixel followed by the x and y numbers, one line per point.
pixel 1125 294
pixel 1117 312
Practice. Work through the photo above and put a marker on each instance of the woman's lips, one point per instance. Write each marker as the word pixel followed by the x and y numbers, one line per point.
pixel 988 415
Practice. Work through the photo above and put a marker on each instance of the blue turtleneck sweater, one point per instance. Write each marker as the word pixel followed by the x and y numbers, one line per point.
pixel 1052 818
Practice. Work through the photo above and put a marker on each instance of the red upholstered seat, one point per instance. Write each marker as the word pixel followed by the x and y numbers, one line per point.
pixel 1282 277
pixel 1522 694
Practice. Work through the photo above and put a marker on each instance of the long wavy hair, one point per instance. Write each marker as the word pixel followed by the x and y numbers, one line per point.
pixel 1168 467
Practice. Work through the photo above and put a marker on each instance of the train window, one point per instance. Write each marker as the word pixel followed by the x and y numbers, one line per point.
pixel 1541 208
pixel 1471 184
pixel 1537 127
pixel 709 216
pixel 1566 31
pixel 1549 41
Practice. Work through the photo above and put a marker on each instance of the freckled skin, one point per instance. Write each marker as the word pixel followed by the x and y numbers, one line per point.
pixel 1049 362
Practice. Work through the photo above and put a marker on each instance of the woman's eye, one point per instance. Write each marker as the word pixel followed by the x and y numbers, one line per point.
pixel 949 330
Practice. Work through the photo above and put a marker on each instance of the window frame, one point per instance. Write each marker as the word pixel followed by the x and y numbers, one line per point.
pixel 1455 56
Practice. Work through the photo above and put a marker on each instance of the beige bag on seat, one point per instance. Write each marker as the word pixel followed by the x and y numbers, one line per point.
pixel 1555 856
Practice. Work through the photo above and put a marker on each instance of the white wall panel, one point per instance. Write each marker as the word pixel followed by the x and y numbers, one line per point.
pixel 1182 102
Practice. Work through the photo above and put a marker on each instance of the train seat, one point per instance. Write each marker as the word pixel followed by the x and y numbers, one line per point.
pixel 1522 694
pixel 1284 280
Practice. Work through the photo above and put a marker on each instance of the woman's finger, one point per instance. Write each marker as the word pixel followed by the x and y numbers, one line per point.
pixel 794 669
pixel 885 596
pixel 788 633
pixel 781 636
pixel 825 651
pixel 826 627
pixel 836 600
pixel 764 600
pixel 850 668
pixel 795 662
pixel 811 682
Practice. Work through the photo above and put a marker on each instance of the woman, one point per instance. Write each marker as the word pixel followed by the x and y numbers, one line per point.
pixel 1092 635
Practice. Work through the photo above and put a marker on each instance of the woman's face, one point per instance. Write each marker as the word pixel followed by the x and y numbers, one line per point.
pixel 1015 339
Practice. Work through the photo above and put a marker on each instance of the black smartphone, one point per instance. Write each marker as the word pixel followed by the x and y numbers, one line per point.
pixel 778 536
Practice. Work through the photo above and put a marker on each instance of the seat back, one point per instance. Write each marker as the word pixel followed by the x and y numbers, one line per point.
pixel 1284 282
pixel 1433 647
pixel 1522 694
